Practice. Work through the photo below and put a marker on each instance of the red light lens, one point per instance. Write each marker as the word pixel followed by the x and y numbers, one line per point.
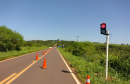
pixel 103 26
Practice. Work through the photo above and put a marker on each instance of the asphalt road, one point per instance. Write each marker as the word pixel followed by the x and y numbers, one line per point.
pixel 26 70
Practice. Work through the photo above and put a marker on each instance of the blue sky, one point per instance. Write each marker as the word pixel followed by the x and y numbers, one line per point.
pixel 66 19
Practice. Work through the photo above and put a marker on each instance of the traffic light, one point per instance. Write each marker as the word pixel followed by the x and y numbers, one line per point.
pixel 103 28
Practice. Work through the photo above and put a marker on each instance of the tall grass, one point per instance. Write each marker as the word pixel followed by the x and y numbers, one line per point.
pixel 93 65
pixel 25 50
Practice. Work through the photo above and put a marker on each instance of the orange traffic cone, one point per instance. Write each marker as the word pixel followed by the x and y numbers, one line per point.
pixel 37 56
pixel 44 63
pixel 88 80
pixel 44 53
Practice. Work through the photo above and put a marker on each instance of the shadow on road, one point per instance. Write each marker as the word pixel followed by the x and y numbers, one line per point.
pixel 40 67
pixel 67 71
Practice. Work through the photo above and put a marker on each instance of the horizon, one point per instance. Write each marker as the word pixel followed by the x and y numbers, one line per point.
pixel 84 41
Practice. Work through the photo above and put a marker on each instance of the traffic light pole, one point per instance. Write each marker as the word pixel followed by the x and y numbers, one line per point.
pixel 107 40
pixel 77 45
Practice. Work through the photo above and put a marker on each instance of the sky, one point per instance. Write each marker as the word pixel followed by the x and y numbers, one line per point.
pixel 66 19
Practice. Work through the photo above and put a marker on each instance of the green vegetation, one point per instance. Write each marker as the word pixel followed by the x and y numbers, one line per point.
pixel 24 50
pixel 10 40
pixel 90 60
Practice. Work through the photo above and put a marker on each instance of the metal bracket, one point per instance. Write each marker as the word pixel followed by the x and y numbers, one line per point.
pixel 106 34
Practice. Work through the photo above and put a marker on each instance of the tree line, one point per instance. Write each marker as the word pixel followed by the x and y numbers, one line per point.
pixel 12 40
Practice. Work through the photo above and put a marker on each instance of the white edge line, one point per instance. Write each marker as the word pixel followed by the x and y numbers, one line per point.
pixel 77 81
pixel 19 56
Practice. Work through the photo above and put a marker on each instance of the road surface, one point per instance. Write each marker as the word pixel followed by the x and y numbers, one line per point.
pixel 26 70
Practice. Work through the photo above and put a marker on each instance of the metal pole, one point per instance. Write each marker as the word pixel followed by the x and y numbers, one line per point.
pixel 77 38
pixel 107 40
pixel 77 45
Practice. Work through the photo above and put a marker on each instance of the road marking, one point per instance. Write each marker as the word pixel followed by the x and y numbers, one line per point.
pixel 19 74
pixel 8 78
pixel 33 60
pixel 40 57
pixel 77 81
pixel 22 71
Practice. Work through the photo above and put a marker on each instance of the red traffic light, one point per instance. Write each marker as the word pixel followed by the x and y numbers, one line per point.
pixel 103 28
pixel 103 25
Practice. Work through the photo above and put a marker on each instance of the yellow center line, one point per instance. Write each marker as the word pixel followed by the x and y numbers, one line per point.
pixel 19 73
pixel 22 71
pixel 39 58
pixel 8 78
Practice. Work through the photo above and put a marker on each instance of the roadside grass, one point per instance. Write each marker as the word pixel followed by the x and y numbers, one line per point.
pixel 24 50
pixel 90 65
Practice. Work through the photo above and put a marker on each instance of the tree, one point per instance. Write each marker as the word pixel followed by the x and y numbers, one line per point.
pixel 10 40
